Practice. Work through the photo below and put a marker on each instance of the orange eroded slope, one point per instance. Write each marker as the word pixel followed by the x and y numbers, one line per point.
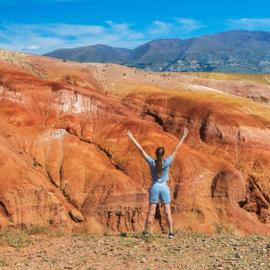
pixel 66 161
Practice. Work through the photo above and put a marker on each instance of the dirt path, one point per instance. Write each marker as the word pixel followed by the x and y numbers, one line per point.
pixel 85 252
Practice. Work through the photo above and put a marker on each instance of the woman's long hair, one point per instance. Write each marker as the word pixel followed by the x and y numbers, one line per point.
pixel 159 154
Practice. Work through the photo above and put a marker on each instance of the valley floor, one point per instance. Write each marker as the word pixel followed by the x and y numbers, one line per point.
pixel 42 251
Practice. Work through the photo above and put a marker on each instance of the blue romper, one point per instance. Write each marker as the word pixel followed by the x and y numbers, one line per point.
pixel 159 188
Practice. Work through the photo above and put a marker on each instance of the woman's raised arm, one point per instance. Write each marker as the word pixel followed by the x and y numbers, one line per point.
pixel 180 142
pixel 130 135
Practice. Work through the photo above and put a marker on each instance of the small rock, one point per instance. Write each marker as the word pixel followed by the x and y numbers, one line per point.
pixel 237 255
pixel 143 260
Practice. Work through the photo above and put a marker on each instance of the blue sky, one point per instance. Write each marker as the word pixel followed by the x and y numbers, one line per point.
pixel 39 26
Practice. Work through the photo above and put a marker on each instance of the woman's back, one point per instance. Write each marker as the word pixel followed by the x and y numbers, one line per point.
pixel 164 176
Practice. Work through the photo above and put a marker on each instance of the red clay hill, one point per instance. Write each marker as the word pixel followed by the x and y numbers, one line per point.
pixel 66 161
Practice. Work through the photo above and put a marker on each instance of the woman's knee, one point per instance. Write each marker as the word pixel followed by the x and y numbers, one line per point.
pixel 167 209
pixel 152 209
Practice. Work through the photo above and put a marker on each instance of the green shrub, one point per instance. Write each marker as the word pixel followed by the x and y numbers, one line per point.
pixel 15 238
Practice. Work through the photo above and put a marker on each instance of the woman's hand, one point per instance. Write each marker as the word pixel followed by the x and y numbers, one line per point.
pixel 185 133
pixel 130 135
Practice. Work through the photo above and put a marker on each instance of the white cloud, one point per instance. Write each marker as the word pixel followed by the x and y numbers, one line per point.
pixel 32 48
pixel 187 25
pixel 176 27
pixel 42 38
pixel 124 30
pixel 249 23
pixel 160 27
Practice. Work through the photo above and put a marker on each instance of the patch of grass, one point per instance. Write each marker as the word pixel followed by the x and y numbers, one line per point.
pixel 151 237
pixel 189 233
pixel 123 234
pixel 184 232
pixel 44 230
pixel 225 230
pixel 15 238
pixel 108 233
pixel 56 233
pixel 129 244
pixel 233 255
pixel 85 236
pixel 37 230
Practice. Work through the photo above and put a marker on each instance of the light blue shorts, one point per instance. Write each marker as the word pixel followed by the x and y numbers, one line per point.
pixel 159 191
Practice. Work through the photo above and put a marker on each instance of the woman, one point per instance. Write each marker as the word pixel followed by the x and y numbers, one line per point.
pixel 160 175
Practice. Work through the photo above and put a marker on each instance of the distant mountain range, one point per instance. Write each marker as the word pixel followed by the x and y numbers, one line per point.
pixel 232 51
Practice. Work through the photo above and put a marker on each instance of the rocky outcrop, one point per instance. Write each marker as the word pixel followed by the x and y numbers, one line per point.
pixel 66 161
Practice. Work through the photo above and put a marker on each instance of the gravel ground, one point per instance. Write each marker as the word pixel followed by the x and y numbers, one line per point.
pixel 81 251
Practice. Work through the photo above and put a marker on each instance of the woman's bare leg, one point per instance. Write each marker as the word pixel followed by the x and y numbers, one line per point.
pixel 169 216
pixel 150 216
